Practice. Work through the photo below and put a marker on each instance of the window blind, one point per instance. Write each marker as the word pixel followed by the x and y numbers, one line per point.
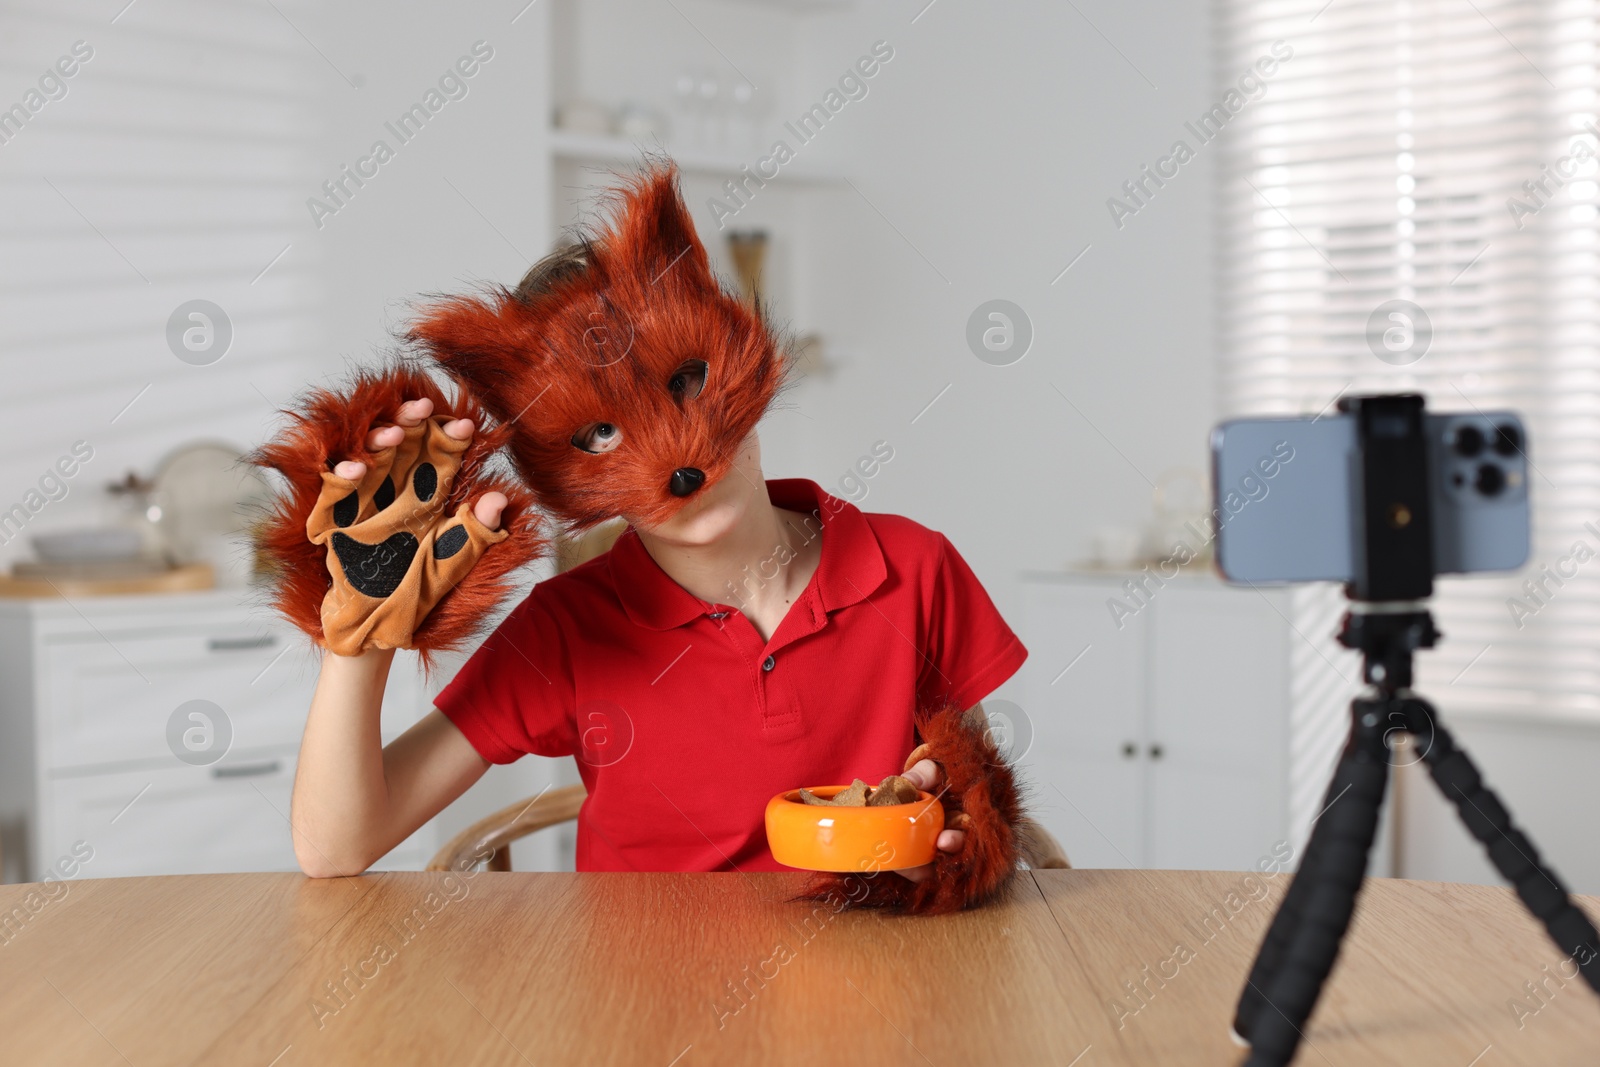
pixel 1444 154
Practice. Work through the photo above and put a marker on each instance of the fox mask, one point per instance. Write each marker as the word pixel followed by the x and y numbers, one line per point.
pixel 625 378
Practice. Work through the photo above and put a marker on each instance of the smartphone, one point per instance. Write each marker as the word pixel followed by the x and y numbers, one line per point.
pixel 1286 505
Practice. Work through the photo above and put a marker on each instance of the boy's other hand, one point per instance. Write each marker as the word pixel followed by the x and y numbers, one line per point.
pixel 488 508
pixel 929 777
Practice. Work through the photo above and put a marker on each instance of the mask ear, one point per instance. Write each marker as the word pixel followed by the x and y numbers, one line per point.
pixel 652 235
pixel 499 345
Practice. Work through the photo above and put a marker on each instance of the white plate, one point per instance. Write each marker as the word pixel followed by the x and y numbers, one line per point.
pixel 206 494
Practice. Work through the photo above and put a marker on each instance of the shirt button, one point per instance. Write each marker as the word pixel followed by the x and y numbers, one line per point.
pixel 719 614
pixel 770 663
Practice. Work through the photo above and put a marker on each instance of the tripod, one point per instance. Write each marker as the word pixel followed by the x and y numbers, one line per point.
pixel 1393 544
pixel 1301 945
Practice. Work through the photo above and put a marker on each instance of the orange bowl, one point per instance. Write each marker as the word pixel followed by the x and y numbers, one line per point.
pixel 815 837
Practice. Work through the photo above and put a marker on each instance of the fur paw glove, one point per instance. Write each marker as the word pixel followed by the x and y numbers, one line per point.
pixel 980 797
pixel 396 560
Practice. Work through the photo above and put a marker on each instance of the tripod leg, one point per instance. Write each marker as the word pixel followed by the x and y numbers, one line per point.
pixel 1269 957
pixel 1513 855
pixel 1346 830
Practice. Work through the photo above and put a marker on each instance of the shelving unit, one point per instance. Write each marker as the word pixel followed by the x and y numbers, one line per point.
pixel 581 163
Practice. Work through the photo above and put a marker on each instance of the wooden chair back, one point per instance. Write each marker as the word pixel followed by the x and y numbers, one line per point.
pixel 488 840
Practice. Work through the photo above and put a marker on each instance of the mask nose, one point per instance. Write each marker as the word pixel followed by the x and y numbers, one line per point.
pixel 685 480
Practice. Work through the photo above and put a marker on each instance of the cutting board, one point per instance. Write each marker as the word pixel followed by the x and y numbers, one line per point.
pixel 184 579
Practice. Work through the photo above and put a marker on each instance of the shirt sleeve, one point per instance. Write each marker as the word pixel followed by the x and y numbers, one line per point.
pixel 514 696
pixel 968 650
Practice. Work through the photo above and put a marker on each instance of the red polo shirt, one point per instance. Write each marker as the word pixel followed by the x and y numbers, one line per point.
pixel 685 722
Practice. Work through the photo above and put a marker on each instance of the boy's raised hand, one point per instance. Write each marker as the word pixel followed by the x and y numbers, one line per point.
pixel 929 777
pixel 393 551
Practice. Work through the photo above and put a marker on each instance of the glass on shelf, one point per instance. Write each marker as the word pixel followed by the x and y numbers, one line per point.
pixel 712 103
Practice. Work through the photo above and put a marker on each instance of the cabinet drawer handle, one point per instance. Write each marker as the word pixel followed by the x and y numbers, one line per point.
pixel 1156 752
pixel 241 644
pixel 1129 750
pixel 248 770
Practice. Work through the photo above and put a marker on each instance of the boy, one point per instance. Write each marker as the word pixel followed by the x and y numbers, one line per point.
pixel 742 636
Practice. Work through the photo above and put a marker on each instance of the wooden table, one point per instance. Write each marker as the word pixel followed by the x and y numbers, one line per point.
pixel 274 970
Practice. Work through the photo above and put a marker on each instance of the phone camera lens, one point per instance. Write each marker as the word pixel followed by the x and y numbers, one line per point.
pixel 1491 480
pixel 1507 440
pixel 1468 441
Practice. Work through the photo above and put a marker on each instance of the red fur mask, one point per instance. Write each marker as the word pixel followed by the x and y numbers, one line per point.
pixel 626 377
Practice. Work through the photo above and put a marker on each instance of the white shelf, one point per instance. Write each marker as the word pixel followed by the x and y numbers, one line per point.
pixel 599 148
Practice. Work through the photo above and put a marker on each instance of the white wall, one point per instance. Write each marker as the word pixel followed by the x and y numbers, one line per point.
pixel 461 203
pixel 1543 771
pixel 991 143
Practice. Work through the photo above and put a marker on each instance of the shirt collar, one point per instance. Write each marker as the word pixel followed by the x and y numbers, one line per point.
pixel 851 567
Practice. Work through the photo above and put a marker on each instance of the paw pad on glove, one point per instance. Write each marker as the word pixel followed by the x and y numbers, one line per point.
pixel 450 542
pixel 375 570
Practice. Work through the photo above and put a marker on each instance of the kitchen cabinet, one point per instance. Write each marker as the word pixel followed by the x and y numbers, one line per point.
pixel 1164 729
pixel 161 732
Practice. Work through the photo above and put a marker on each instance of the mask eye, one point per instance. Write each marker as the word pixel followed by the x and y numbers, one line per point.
pixel 687 381
pixel 597 437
